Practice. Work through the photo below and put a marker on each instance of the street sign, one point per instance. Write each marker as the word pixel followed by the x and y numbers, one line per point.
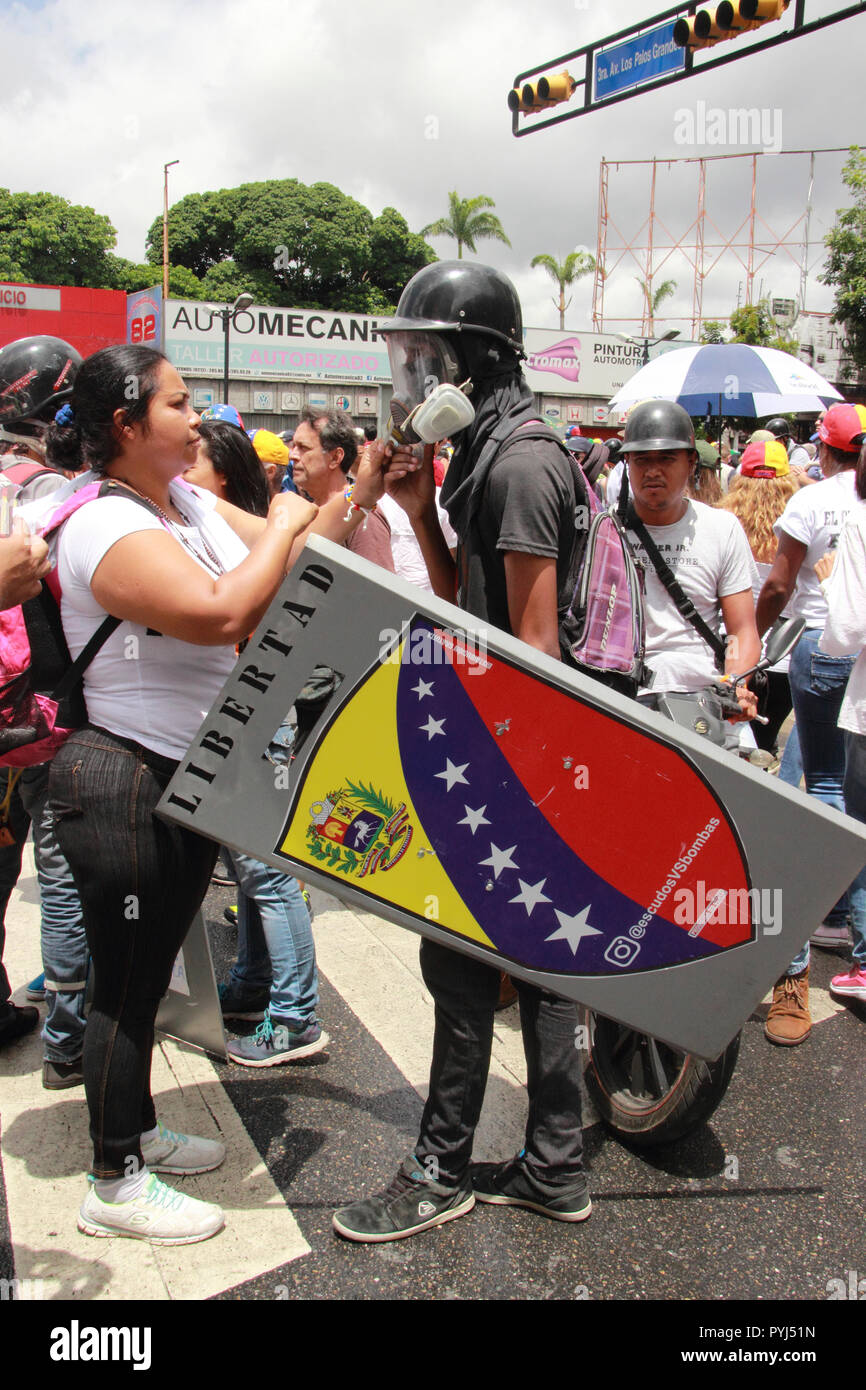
pixel 637 60
pixel 464 785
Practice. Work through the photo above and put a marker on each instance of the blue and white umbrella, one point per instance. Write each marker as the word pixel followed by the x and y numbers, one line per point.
pixel 729 379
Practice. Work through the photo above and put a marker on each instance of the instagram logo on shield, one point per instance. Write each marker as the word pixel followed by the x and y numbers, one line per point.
pixel 621 951
pixel 561 358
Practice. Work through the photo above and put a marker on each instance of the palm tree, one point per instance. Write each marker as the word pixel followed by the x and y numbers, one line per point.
pixel 655 298
pixel 466 224
pixel 574 267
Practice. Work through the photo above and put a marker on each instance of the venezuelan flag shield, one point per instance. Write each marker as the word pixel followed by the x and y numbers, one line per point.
pixel 470 794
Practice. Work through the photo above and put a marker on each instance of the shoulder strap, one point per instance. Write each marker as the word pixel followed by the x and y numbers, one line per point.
pixel 675 589
pixel 76 668
pixel 26 471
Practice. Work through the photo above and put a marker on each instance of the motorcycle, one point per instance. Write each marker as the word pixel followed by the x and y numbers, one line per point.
pixel 645 1091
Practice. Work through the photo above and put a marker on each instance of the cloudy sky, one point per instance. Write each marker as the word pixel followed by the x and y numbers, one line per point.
pixel 398 101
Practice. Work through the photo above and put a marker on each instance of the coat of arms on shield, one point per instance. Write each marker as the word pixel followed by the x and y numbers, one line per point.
pixel 358 830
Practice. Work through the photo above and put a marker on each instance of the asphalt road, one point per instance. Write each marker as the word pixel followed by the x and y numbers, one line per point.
pixel 762 1204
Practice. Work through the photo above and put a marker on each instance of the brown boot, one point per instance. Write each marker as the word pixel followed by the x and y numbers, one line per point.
pixel 789 1021
pixel 507 992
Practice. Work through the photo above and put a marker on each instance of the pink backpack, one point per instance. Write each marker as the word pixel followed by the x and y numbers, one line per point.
pixel 603 628
pixel 606 616
pixel 41 701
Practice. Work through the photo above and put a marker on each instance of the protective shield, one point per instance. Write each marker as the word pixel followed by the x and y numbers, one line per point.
pixel 462 784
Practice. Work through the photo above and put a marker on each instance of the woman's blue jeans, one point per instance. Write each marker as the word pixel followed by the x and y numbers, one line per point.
pixel 65 958
pixel 855 804
pixel 141 881
pixel 275 941
pixel 818 686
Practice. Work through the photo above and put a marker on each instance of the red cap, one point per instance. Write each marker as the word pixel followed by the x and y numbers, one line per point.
pixel 843 427
pixel 766 458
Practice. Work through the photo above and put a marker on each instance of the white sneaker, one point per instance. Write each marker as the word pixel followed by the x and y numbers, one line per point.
pixel 831 938
pixel 181 1153
pixel 159 1215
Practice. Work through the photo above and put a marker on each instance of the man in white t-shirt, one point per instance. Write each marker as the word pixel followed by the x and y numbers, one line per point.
pixel 706 550
pixel 809 527
pixel 405 550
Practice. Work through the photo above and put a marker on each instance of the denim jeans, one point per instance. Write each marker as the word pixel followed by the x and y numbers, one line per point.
pixel 465 993
pixel 275 941
pixel 854 789
pixel 65 957
pixel 791 769
pixel 141 880
pixel 18 823
pixel 818 686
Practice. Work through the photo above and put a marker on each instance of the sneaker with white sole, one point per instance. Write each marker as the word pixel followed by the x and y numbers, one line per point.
pixel 275 1043
pixel 248 1005
pixel 181 1153
pixel 412 1202
pixel 850 985
pixel 158 1215
pixel 510 1185
pixel 830 938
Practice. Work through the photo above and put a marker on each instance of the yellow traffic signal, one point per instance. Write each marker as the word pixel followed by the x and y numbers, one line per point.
pixel 547 91
pixel 713 24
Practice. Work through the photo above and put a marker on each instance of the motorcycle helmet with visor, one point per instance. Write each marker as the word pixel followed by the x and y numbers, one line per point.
pixel 420 362
pixel 456 323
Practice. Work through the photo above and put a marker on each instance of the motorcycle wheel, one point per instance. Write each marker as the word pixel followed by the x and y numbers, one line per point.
pixel 647 1092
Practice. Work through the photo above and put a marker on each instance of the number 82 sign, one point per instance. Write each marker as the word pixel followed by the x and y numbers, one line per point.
pixel 143 312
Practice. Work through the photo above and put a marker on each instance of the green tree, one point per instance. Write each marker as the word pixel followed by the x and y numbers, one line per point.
pixel 466 223
pixel 46 240
pixel 846 264
pixel 128 276
pixel 288 243
pixel 654 298
pixel 712 331
pixel 752 324
pixel 573 268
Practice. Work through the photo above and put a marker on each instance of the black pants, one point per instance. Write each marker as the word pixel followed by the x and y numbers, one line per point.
pixel 141 882
pixel 465 992
pixel 778 707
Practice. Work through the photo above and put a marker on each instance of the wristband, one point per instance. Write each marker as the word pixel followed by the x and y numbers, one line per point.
pixel 354 506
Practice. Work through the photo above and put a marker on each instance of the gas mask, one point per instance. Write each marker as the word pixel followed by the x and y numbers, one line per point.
pixel 430 401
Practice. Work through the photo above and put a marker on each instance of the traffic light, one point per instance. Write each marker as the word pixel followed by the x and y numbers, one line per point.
pixel 547 91
pixel 711 25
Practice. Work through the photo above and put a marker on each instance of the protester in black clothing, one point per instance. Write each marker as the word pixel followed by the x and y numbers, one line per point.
pixel 511 498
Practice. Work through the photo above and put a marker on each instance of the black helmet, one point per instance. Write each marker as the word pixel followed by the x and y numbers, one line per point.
pixel 591 454
pixel 657 425
pixel 36 377
pixel 474 301
pixel 778 427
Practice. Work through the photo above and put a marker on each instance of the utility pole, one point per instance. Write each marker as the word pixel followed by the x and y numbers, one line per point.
pixel 165 169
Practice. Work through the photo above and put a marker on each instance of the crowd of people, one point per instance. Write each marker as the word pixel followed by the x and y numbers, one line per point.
pixel 181 530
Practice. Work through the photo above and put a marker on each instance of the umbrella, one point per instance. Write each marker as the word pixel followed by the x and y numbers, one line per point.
pixel 729 379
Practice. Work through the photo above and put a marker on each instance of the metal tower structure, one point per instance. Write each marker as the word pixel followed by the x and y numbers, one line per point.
pixel 702 242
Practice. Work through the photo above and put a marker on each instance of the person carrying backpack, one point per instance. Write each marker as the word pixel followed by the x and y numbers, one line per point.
pixel 36 379
pixel 511 493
